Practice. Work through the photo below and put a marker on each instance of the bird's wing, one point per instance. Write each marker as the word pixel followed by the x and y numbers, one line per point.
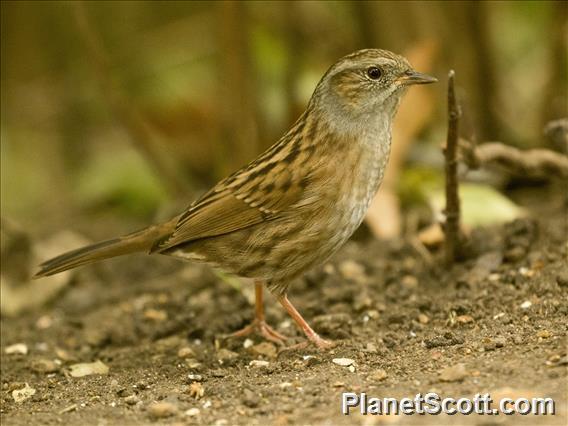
pixel 253 195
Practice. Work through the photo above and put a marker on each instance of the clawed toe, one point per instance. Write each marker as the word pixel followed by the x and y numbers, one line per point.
pixel 261 328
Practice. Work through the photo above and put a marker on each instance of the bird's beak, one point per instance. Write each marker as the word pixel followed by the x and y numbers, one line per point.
pixel 415 77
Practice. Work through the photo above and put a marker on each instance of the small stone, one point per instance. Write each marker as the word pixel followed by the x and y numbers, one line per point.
pixel 248 343
pixel 162 409
pixel 377 376
pixel 258 363
pixel 371 348
pixel 192 363
pixel 544 334
pixel 16 348
pixel 464 319
pixel 132 400
pixel 168 343
pixel 195 377
pixel 250 399
pixel 87 369
pixel 454 373
pixel 63 355
pixel 526 304
pixel 515 253
pixel 409 282
pixel 155 315
pixel 351 368
pixel 423 319
pixel 124 392
pixel 218 373
pixel 224 356
pixel 266 349
pixel 21 395
pixel 488 344
pixel 500 342
pixel 310 360
pixel 352 270
pixel 44 366
pixel 192 412
pixel 185 352
pixel 562 279
pixel 344 362
pixel 44 322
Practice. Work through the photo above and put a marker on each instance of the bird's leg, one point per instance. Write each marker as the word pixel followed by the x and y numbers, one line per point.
pixel 259 324
pixel 308 331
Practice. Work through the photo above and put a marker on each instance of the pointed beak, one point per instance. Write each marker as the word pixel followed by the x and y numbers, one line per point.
pixel 415 77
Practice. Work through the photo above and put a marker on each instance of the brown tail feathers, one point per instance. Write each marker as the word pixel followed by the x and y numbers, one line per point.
pixel 136 242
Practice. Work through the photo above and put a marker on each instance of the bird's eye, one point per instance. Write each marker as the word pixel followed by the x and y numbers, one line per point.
pixel 374 73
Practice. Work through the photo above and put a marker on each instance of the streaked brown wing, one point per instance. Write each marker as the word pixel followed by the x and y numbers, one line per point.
pixel 246 199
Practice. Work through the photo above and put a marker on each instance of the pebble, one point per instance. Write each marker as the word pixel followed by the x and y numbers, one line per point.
pixel 225 356
pixel 21 395
pixel 132 400
pixel 410 282
pixel 423 319
pixel 192 412
pixel 258 363
pixel 344 362
pixel 248 343
pixel 195 377
pixel 310 360
pixel 464 319
pixel 192 363
pixel 87 369
pixel 162 409
pixel 218 373
pixel 16 348
pixel 156 315
pixel 526 304
pixel 185 352
pixel 352 270
pixel 544 334
pixel 377 376
pixel 168 343
pixel 265 348
pixel 500 342
pixel 44 366
pixel 562 279
pixel 454 373
pixel 44 322
pixel 250 399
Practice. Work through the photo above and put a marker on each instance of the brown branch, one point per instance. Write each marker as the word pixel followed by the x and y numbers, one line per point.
pixel 452 211
pixel 142 134
pixel 531 162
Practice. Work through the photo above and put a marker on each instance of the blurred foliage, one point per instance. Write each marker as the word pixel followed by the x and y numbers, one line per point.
pixel 216 82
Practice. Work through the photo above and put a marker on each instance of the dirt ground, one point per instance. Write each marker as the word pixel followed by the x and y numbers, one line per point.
pixel 494 323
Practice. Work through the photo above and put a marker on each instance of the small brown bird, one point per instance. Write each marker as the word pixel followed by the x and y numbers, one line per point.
pixel 298 202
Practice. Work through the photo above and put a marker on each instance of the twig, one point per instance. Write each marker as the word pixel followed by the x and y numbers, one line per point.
pixel 141 133
pixel 452 211
pixel 531 162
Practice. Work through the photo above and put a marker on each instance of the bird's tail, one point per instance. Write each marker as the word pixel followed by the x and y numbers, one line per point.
pixel 136 242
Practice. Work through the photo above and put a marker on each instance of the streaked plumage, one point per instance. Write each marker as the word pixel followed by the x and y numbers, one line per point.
pixel 301 199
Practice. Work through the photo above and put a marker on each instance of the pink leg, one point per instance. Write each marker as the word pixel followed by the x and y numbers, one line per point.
pixel 308 331
pixel 259 324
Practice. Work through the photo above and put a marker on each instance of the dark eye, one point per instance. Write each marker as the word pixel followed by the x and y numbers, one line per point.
pixel 374 73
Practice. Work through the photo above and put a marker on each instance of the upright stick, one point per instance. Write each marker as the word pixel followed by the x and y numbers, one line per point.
pixel 452 212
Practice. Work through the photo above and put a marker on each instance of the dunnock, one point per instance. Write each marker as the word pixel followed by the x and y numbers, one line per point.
pixel 299 201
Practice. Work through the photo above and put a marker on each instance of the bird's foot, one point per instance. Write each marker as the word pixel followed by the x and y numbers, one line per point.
pixel 261 328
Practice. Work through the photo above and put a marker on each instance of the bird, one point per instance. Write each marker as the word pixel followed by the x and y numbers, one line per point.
pixel 298 202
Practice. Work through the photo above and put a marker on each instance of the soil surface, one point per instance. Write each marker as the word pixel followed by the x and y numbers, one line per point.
pixel 407 324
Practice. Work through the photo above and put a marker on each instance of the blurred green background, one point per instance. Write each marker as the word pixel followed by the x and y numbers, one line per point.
pixel 112 110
